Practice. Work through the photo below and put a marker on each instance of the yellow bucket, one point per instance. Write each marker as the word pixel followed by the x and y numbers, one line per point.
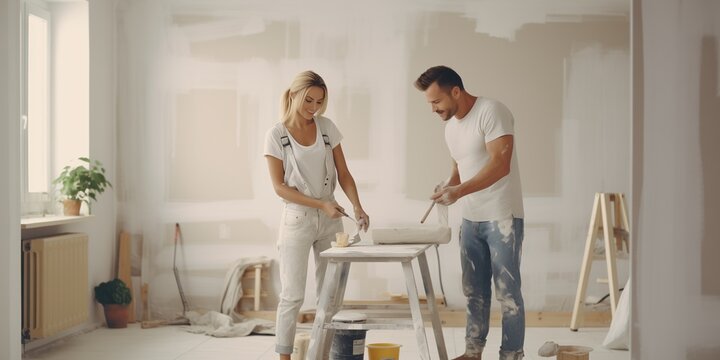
pixel 383 351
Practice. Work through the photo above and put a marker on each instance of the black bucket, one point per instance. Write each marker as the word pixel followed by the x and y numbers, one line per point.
pixel 348 345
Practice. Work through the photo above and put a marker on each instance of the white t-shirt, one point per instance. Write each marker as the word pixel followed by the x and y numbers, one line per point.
pixel 310 159
pixel 466 138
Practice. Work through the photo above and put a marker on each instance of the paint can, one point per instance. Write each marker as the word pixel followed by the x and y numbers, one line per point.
pixel 300 346
pixel 383 351
pixel 348 344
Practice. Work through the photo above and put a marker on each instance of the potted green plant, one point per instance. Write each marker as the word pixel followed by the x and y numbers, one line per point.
pixel 115 297
pixel 81 184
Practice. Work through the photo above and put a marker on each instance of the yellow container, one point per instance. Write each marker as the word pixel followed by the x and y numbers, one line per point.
pixel 383 351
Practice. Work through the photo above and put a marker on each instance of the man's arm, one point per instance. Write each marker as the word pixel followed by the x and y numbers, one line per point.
pixel 497 167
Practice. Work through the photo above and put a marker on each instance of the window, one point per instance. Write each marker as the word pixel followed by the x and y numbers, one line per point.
pixel 36 127
pixel 55 128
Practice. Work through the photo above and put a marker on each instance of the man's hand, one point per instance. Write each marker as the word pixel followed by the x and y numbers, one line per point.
pixel 446 195
pixel 440 186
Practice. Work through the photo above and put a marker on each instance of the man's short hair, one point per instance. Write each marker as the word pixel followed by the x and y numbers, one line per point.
pixel 445 77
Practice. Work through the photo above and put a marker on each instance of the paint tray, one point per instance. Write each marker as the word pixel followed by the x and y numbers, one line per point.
pixel 411 234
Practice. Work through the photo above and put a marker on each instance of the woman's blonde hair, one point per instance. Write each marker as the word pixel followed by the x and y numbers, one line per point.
pixel 294 96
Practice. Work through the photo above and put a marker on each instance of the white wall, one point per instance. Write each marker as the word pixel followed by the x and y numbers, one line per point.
pixel 199 83
pixel 102 136
pixel 9 180
pixel 676 296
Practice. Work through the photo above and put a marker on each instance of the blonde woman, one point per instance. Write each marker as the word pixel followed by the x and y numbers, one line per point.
pixel 306 160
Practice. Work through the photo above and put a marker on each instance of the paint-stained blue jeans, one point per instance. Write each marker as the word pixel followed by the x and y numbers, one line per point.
pixel 492 249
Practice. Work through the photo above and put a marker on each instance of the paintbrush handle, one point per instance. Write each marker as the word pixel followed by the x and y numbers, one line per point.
pixel 422 221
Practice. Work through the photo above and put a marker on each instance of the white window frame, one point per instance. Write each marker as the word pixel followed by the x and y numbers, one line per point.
pixel 40 9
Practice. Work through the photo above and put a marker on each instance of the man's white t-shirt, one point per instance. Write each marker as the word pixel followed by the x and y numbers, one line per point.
pixel 310 159
pixel 466 138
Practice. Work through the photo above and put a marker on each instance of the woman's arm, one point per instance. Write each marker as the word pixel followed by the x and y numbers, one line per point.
pixel 277 176
pixel 347 183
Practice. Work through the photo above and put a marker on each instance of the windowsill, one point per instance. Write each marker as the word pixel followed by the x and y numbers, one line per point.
pixel 50 220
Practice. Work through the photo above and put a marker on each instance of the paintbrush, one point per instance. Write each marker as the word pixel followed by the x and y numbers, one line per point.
pixel 437 188
pixel 422 221
pixel 356 237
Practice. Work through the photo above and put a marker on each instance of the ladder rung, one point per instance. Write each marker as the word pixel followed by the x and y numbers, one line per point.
pixel 617 232
pixel 618 255
pixel 251 294
pixel 251 275
pixel 620 232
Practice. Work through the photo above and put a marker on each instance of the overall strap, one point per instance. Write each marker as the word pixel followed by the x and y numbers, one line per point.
pixel 290 163
pixel 329 159
pixel 326 139
pixel 286 146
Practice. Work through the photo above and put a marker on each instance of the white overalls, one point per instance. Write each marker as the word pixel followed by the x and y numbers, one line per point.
pixel 301 228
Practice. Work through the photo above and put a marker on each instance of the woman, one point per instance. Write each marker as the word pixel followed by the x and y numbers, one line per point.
pixel 305 160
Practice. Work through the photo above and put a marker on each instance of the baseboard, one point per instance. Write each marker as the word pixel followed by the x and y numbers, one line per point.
pixel 37 344
pixel 456 318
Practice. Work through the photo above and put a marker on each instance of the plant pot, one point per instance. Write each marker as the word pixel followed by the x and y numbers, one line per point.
pixel 116 315
pixel 71 207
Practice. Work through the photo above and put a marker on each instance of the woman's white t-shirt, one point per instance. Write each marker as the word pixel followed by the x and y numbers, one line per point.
pixel 310 159
pixel 466 139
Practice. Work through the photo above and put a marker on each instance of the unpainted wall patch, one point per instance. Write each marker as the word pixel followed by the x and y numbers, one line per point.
pixel 208 164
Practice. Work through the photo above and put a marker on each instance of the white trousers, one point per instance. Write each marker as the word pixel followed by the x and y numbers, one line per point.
pixel 301 229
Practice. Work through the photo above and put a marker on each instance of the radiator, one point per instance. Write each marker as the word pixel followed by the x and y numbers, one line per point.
pixel 55 293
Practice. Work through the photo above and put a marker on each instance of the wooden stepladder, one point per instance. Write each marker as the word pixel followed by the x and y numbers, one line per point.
pixel 616 227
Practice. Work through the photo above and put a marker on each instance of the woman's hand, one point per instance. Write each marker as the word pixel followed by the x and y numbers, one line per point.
pixel 362 219
pixel 332 209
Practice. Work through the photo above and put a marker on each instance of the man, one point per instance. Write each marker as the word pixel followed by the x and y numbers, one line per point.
pixel 479 135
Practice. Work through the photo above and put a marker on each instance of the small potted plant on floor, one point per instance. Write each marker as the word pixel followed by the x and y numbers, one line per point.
pixel 81 184
pixel 115 297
